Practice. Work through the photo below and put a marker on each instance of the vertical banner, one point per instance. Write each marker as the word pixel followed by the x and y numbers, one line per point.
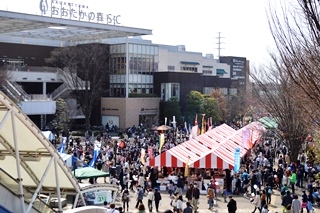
pixel 174 122
pixel 96 152
pixel 186 168
pixel 61 148
pixel 194 132
pixel 237 160
pixel 150 152
pixel 142 155
pixel 165 121
pixel 250 142
pixel 161 141
pixel 245 137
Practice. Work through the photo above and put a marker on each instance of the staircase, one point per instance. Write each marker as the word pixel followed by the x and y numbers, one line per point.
pixel 70 82
pixel 15 91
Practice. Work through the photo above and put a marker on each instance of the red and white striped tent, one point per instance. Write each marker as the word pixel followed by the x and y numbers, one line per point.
pixel 227 148
pixel 197 153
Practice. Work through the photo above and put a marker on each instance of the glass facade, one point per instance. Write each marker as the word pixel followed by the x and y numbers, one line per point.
pixel 170 90
pixel 142 64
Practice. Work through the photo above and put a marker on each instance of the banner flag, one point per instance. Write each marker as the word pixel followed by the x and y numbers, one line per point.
pixel 63 144
pixel 245 137
pixel 150 152
pixel 186 168
pixel 96 152
pixel 237 160
pixel 161 141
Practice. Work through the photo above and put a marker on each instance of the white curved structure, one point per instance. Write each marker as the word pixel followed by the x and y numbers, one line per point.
pixel 31 167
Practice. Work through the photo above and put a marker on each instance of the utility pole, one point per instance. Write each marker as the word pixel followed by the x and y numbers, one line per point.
pixel 219 44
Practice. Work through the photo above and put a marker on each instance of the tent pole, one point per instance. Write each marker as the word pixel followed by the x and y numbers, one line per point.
pixel 58 184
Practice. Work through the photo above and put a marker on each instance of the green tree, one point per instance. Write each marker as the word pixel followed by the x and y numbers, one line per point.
pixel 62 120
pixel 172 108
pixel 194 105
pixel 210 108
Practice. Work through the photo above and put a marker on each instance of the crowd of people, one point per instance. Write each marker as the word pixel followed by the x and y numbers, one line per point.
pixel 266 168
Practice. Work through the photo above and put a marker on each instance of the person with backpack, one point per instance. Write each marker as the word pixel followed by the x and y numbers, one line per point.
pixel 125 198
pixel 268 193
pixel 232 205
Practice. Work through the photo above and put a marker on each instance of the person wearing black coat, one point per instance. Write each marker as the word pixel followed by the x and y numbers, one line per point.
pixel 232 205
pixel 287 201
pixel 157 198
pixel 189 193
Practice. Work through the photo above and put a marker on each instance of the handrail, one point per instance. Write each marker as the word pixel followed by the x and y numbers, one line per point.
pixel 18 89
pixel 68 79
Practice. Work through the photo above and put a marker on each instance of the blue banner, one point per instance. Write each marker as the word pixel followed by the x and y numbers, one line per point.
pixel 237 160
pixel 61 148
pixel 96 153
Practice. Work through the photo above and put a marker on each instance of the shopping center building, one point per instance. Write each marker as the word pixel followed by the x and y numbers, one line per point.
pixel 142 74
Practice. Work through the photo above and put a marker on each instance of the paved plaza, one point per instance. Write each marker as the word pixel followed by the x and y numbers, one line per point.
pixel 243 204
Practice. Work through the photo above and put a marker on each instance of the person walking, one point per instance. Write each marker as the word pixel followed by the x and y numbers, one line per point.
pixel 179 206
pixel 157 199
pixel 125 197
pixel 268 193
pixel 232 205
pixel 188 209
pixel 150 197
pixel 257 202
pixel 286 202
pixel 296 204
pixel 195 197
pixel 139 196
pixel 293 180
pixel 210 197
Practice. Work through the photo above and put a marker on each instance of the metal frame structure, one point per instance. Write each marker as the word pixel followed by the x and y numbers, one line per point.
pixel 39 171
pixel 20 27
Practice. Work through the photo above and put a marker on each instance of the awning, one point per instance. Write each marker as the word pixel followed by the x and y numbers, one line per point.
pixel 68 159
pixel 49 135
pixel 89 172
pixel 221 72
pixel 268 122
pixel 189 62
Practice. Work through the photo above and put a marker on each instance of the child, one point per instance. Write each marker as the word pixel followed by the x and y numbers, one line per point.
pixel 170 188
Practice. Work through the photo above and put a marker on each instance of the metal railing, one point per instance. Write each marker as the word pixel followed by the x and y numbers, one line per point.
pixel 23 93
pixel 70 82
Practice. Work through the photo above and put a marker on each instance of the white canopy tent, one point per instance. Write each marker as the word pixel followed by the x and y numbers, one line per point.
pixel 49 135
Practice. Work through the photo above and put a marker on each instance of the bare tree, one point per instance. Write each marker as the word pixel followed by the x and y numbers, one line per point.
pixel 85 67
pixel 277 95
pixel 296 32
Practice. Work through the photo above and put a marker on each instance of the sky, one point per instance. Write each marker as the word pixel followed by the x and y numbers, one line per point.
pixel 195 24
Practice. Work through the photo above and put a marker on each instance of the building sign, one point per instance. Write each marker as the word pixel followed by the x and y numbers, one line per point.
pixel 73 11
pixel 238 65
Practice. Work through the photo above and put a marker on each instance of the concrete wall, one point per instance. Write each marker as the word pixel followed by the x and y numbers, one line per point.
pixel 129 109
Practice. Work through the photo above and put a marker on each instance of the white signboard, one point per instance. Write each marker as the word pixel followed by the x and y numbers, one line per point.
pixel 111 120
pixel 102 196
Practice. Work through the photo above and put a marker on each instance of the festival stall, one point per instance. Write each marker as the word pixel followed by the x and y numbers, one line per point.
pixel 197 153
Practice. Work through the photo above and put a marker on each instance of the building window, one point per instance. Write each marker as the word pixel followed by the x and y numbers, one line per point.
pixel 171 68
pixel 190 69
pixel 207 90
pixel 233 91
pixel 170 90
pixel 207 72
